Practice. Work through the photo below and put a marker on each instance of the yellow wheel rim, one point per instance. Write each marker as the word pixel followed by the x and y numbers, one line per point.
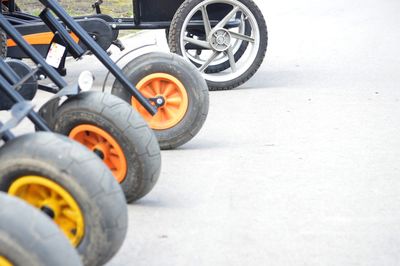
pixel 5 262
pixel 174 97
pixel 53 200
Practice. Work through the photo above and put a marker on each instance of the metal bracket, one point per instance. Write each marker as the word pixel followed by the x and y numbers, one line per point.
pixel 131 55
pixel 96 6
pixel 18 112
pixel 70 90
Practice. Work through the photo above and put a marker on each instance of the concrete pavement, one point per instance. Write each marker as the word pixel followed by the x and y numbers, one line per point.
pixel 300 166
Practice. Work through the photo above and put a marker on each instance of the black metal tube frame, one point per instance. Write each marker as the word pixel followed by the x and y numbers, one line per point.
pixel 7 135
pixel 101 55
pixel 56 27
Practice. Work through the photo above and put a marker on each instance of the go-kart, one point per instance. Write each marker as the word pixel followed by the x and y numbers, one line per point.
pixel 225 39
pixel 102 122
pixel 168 92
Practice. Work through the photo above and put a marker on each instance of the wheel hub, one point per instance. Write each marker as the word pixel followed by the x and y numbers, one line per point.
pixel 166 93
pixel 54 201
pixel 104 146
pixel 159 101
pixel 99 153
pixel 48 211
pixel 220 40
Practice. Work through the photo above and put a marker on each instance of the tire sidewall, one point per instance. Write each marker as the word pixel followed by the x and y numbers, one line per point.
pixel 28 237
pixel 16 252
pixel 3 44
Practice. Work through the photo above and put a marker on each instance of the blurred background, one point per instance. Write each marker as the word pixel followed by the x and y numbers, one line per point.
pixel 116 8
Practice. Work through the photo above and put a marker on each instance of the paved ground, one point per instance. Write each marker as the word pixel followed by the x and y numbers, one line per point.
pixel 300 166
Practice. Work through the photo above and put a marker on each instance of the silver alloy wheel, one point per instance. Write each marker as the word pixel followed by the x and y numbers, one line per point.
pixel 213 53
pixel 195 57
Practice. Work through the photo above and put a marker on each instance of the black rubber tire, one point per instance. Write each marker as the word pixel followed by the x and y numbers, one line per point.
pixel 126 126
pixel 27 90
pixel 193 82
pixel 84 176
pixel 28 237
pixel 175 33
pixel 3 44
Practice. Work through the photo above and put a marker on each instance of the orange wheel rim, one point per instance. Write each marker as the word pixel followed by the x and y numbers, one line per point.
pixel 104 145
pixel 174 95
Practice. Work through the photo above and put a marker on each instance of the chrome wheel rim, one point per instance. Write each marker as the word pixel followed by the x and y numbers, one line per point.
pixel 213 55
